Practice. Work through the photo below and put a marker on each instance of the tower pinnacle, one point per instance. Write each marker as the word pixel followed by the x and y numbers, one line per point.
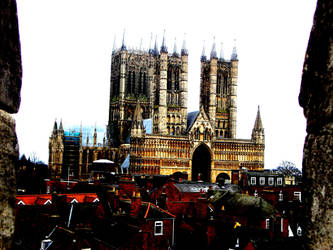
pixel 164 48
pixel 234 56
pixel 155 52
pixel 114 45
pixel 213 53
pixel 123 46
pixel 203 53
pixel 258 134
pixel 184 49
pixel 221 53
pixel 150 51
pixel 175 53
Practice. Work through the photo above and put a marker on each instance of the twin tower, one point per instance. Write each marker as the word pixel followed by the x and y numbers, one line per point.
pixel 158 80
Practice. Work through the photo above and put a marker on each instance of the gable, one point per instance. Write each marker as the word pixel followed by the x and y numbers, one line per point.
pixel 201 122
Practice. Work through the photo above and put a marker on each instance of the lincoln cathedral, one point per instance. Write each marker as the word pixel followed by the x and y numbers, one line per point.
pixel 150 131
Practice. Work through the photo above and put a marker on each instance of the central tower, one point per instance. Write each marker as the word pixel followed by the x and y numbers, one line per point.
pixel 218 91
pixel 158 80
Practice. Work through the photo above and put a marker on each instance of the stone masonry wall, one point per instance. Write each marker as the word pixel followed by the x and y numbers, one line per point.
pixel 10 86
pixel 316 97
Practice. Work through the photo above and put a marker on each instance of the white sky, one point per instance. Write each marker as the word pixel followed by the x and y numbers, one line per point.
pixel 66 47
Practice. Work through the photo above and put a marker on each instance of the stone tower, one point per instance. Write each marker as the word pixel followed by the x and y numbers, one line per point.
pixel 158 80
pixel 258 134
pixel 56 150
pixel 218 91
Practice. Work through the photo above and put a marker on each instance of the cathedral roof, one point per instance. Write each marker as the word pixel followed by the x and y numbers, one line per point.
pixel 126 162
pixel 148 124
pixel 191 116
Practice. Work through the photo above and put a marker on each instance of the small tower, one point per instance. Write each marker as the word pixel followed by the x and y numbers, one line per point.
pixel 162 108
pixel 95 137
pixel 203 53
pixel 183 85
pixel 137 129
pixel 212 85
pixel 175 52
pixel 258 134
pixel 155 51
pixel 233 93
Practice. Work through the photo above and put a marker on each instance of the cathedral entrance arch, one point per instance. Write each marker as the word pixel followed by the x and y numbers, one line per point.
pixel 201 163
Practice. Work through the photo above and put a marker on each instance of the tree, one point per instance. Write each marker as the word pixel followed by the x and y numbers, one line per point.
pixel 289 168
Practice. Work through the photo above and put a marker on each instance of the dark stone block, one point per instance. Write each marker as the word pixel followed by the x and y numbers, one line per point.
pixel 10 57
pixel 316 97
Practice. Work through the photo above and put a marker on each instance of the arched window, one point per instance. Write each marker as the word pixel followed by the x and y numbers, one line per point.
pixel 133 83
pixel 177 79
pixel 225 85
pixel 169 80
pixel 129 81
pixel 177 131
pixel 145 84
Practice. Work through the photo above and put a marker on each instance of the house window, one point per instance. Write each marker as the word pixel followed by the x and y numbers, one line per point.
pixel 279 181
pixel 271 181
pixel 298 196
pixel 158 229
pixel 256 193
pixel 281 196
pixel 262 180
pixel 253 180
pixel 267 223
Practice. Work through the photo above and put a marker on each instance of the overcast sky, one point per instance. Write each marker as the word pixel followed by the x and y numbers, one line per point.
pixel 66 54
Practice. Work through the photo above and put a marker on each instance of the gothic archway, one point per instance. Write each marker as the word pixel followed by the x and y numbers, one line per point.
pixel 201 163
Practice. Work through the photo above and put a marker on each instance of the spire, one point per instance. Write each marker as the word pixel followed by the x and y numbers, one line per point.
pixel 123 46
pixel 55 127
pixel 150 51
pixel 164 48
pixel 175 53
pixel 258 134
pixel 184 49
pixel 61 127
pixel 221 54
pixel 234 56
pixel 203 53
pixel 95 136
pixel 258 124
pixel 213 53
pixel 156 52
pixel 114 45
pixel 137 124
pixel 137 113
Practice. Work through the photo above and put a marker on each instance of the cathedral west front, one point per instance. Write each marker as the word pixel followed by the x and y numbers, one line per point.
pixel 149 124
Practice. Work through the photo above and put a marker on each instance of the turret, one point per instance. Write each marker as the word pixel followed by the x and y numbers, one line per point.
pixel 203 53
pixel 183 85
pixel 137 129
pixel 155 51
pixel 212 85
pixel 184 51
pixel 233 93
pixel 123 46
pixel 162 107
pixel 221 59
pixel 175 52
pixel 95 137
pixel 61 129
pixel 55 129
pixel 258 134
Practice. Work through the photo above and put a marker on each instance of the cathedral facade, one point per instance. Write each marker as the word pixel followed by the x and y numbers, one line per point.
pixel 149 122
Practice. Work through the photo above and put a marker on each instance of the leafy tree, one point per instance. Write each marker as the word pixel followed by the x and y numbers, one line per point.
pixel 289 168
